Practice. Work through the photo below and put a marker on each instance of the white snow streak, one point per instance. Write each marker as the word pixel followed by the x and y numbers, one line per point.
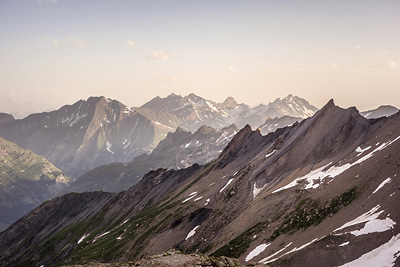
pixel 270 154
pixel 361 150
pixel 191 233
pixel 83 237
pixel 388 180
pixel 197 199
pixel 344 244
pixel 230 181
pixel 256 251
pixel 267 259
pixel 332 172
pixel 372 223
pixel 384 255
pixel 207 201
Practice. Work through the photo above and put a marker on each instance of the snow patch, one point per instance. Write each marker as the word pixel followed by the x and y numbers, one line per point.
pixel 384 255
pixel 192 195
pixel 108 147
pixel 267 259
pixel 372 223
pixel 256 251
pixel 361 150
pixel 207 201
pixel 344 244
pixel 388 180
pixel 97 237
pixel 256 190
pixel 82 238
pixel 314 177
pixel 270 154
pixel 197 199
pixel 192 233
pixel 230 181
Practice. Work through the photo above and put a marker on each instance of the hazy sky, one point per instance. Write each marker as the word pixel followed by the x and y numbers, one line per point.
pixel 55 52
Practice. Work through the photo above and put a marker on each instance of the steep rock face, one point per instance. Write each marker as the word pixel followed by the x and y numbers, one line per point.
pixel 271 125
pixel 323 189
pixel 84 135
pixel 178 150
pixel 382 111
pixel 26 180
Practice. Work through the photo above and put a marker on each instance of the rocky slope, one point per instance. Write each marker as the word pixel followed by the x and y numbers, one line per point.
pixel 322 192
pixel 26 180
pixel 178 150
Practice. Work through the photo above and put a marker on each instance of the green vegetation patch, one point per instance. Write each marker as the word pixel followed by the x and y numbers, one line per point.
pixel 310 212
pixel 240 244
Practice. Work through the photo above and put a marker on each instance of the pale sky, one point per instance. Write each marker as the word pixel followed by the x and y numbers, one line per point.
pixel 55 52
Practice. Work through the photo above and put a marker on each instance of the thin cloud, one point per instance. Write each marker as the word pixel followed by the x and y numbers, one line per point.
pixel 384 65
pixel 131 43
pixel 358 47
pixel 333 66
pixel 159 55
pixel 230 69
pixel 55 42
pixel 77 41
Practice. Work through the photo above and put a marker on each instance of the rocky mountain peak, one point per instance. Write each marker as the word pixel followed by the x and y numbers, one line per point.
pixel 229 102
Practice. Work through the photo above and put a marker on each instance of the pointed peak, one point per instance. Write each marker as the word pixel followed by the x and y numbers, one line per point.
pixel 230 102
pixel 172 95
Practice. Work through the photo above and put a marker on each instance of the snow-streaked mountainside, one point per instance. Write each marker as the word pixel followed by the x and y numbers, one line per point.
pixel 178 150
pixel 322 192
pixel 382 111
pixel 98 131
pixel 26 180
pixel 196 111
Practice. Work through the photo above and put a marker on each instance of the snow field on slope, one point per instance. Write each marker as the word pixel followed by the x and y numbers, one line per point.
pixel 332 172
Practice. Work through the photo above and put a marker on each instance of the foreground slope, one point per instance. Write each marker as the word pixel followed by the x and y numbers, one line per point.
pixel 26 180
pixel 322 192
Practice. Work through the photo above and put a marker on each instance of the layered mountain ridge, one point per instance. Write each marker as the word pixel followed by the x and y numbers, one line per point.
pixel 319 192
pixel 178 150
pixel 98 131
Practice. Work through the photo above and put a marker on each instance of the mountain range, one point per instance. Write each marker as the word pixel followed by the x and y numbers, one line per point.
pixel 98 131
pixel 321 192
pixel 178 150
